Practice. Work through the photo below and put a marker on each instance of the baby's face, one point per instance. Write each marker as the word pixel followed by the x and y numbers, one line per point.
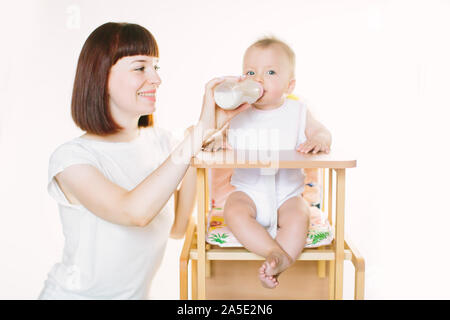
pixel 269 66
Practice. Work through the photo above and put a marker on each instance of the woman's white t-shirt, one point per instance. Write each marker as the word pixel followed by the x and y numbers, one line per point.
pixel 103 260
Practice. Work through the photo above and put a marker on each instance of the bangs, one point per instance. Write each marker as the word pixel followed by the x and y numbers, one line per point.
pixel 132 40
pixel 102 49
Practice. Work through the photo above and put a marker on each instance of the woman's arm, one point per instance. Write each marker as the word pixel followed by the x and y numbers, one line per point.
pixel 185 204
pixel 187 192
pixel 84 184
pixel 318 137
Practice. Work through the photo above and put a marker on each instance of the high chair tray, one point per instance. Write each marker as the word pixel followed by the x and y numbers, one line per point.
pixel 280 159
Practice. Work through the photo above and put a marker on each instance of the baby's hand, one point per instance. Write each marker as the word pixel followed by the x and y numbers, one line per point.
pixel 315 145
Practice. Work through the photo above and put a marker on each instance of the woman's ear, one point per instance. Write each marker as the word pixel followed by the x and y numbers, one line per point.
pixel 291 86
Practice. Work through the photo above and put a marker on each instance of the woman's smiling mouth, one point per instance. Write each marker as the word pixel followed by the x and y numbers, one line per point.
pixel 150 95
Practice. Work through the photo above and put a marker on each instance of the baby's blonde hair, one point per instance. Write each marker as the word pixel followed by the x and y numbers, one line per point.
pixel 269 41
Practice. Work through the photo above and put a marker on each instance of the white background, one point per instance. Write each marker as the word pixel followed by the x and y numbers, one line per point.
pixel 376 73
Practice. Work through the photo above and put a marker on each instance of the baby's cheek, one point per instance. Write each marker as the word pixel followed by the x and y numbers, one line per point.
pixel 277 93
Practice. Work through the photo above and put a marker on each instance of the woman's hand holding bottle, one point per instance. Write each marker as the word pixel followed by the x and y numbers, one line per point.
pixel 212 117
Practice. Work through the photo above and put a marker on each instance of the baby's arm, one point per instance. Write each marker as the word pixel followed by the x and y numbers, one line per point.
pixel 318 138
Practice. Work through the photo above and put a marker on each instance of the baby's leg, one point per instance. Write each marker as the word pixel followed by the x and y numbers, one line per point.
pixel 240 216
pixel 293 224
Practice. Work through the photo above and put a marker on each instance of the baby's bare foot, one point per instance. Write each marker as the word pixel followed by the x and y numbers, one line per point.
pixel 277 262
pixel 267 281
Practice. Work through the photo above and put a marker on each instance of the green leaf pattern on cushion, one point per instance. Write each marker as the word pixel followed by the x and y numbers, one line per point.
pixel 219 238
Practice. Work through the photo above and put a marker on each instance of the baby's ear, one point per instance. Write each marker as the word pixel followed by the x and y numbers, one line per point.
pixel 291 86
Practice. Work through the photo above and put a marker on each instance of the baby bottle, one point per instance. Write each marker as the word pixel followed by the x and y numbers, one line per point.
pixel 231 94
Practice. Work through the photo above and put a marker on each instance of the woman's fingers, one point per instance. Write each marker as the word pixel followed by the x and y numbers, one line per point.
pixel 213 145
pixel 209 105
pixel 209 87
pixel 213 82
pixel 207 147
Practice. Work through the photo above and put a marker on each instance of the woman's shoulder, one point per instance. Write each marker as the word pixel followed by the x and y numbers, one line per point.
pixel 73 151
pixel 75 144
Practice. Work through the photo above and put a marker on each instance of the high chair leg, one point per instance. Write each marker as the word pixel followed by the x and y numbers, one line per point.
pixel 339 235
pixel 206 204
pixel 194 270
pixel 201 250
pixel 331 265
pixel 331 279
pixel 184 258
pixel 359 264
pixel 359 284
pixel 184 280
pixel 208 264
pixel 321 266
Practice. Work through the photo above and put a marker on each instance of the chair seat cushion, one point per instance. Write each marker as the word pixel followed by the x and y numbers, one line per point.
pixel 319 234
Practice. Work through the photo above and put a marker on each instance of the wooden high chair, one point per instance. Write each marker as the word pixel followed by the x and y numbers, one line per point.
pixel 196 250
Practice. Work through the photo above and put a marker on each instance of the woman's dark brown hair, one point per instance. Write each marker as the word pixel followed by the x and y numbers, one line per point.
pixel 102 49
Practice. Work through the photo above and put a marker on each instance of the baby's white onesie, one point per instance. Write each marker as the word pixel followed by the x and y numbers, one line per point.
pixel 269 131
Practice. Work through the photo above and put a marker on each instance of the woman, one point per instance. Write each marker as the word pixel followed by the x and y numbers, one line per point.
pixel 112 184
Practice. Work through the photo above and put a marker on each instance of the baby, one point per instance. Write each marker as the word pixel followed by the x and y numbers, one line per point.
pixel 266 211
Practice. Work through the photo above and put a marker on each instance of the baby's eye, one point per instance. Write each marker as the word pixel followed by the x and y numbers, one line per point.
pixel 250 73
pixel 156 67
pixel 271 72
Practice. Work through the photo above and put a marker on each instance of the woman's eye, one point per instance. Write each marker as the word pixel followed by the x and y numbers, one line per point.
pixel 250 73
pixel 140 69
pixel 271 72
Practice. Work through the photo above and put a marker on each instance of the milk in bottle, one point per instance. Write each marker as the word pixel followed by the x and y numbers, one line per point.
pixel 231 94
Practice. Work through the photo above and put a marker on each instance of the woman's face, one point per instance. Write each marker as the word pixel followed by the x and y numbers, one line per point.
pixel 132 85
